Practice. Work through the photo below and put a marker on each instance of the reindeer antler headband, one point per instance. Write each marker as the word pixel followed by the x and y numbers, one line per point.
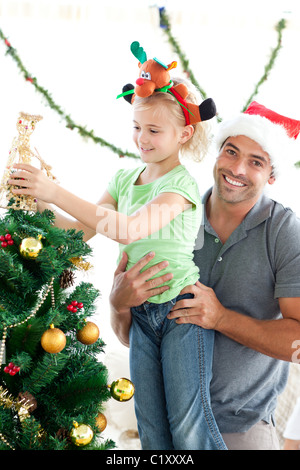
pixel 154 77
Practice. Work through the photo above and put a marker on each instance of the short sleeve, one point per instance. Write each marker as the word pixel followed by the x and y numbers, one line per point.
pixel 183 184
pixel 287 258
pixel 113 185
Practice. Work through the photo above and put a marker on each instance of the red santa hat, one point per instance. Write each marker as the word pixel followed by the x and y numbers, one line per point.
pixel 275 133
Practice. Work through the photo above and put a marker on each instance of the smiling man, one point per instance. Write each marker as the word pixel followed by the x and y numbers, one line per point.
pixel 241 172
pixel 249 289
pixel 248 172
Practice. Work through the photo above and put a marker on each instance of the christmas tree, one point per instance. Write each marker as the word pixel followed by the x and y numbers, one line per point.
pixel 52 385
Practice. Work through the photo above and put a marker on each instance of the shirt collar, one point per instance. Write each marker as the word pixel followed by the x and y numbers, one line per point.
pixel 260 212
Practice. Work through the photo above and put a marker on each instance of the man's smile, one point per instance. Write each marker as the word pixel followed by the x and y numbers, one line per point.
pixel 233 182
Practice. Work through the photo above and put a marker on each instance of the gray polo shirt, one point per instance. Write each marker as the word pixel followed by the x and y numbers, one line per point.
pixel 259 262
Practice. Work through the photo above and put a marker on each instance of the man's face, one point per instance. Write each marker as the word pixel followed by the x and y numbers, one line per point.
pixel 242 170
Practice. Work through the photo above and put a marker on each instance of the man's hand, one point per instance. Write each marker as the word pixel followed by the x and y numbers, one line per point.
pixel 291 444
pixel 274 338
pixel 131 288
pixel 204 309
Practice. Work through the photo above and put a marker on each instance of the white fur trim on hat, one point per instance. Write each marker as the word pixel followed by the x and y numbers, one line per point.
pixel 271 137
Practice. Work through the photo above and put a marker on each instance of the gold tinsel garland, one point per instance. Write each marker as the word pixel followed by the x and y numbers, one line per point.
pixel 20 406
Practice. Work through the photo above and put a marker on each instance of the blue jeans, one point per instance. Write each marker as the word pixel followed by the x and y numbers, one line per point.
pixel 171 368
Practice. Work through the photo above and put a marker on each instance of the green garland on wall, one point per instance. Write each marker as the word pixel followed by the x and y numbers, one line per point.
pixel 70 123
pixel 165 25
pixel 279 27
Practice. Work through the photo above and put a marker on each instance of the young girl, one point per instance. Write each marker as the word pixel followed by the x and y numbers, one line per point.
pixel 154 207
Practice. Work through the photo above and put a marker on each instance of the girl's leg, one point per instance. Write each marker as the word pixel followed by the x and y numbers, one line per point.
pixel 186 354
pixel 171 367
pixel 146 374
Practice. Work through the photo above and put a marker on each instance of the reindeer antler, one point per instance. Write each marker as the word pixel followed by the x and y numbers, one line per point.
pixel 138 51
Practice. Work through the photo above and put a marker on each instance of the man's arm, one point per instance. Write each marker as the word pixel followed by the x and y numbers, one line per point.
pixel 131 288
pixel 275 338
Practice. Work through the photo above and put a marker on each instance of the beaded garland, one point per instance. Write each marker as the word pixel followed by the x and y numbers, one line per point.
pixel 6 327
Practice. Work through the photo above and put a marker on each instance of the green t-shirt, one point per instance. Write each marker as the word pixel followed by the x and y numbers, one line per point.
pixel 174 242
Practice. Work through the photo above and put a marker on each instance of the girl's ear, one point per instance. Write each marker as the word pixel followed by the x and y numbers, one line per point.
pixel 186 134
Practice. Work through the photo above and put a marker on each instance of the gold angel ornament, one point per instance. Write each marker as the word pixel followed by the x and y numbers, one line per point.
pixel 21 152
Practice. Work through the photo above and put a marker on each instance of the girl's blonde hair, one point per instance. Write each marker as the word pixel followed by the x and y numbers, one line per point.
pixel 197 146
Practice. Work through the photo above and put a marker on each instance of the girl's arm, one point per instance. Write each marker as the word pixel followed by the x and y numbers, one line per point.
pixel 99 218
pixel 66 223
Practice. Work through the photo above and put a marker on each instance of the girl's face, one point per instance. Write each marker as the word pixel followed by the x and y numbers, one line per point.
pixel 157 134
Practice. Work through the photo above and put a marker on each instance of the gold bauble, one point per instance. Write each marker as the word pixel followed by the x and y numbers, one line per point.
pixel 122 389
pixel 101 422
pixel 30 247
pixel 53 340
pixel 89 333
pixel 81 434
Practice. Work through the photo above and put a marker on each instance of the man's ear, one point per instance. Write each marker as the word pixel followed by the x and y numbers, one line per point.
pixel 272 179
pixel 186 134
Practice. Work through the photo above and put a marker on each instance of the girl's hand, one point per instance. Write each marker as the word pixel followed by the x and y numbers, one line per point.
pixel 34 182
